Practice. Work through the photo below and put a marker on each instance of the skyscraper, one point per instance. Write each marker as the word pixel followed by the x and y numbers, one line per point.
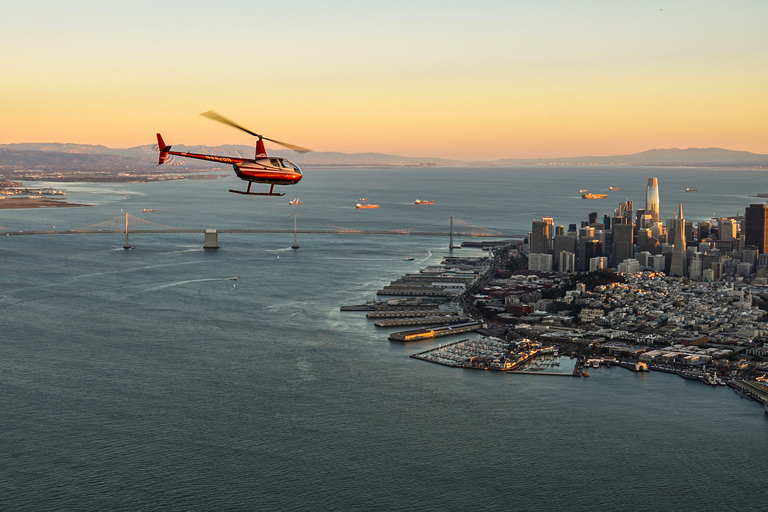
pixel 623 247
pixel 541 236
pixel 756 228
pixel 679 265
pixel 652 199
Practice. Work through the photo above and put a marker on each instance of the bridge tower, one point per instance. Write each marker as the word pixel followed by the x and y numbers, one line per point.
pixel 211 239
pixel 127 245
pixel 295 238
pixel 450 242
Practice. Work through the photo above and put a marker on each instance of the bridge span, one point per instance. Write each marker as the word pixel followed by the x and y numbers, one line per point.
pixel 126 224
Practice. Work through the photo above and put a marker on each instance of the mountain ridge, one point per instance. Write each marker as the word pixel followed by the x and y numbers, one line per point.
pixel 55 155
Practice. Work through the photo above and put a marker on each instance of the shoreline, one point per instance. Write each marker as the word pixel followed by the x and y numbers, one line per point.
pixel 41 202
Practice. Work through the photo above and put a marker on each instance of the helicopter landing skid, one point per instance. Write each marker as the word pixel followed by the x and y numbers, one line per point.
pixel 257 193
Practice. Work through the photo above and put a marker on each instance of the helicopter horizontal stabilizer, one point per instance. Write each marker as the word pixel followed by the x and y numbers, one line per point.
pixel 163 149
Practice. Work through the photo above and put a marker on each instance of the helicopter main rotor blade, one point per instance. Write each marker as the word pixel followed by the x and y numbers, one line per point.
pixel 218 117
pixel 294 147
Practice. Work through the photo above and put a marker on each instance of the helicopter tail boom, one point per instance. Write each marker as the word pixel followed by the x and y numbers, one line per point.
pixel 164 150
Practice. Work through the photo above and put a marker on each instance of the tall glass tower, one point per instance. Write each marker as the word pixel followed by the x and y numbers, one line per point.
pixel 652 199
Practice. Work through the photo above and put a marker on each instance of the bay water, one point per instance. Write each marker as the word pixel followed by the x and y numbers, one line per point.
pixel 148 379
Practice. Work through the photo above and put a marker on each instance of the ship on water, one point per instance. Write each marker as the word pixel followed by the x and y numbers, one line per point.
pixel 361 205
pixel 691 190
pixel 594 196
pixel 294 202
pixel 424 201
pixel 583 191
pixel 614 188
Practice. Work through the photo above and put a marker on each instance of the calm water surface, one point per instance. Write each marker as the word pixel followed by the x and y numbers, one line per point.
pixel 148 379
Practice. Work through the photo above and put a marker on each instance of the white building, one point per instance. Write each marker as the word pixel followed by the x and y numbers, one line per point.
pixel 598 263
pixel 540 262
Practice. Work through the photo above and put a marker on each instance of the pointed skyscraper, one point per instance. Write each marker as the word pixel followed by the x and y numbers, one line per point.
pixel 679 265
pixel 652 199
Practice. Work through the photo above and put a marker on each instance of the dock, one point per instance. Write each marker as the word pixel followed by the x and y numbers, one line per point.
pixel 426 320
pixel 750 389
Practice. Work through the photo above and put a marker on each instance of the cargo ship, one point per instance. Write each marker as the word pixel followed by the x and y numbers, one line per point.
pixel 423 201
pixel 614 188
pixel 691 190
pixel 594 196
pixel 360 205
pixel 149 210
pixel 583 191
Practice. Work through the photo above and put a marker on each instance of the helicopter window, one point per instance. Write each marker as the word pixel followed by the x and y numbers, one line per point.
pixel 286 164
pixel 274 162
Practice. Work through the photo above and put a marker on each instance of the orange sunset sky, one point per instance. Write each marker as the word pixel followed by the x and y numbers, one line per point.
pixel 464 80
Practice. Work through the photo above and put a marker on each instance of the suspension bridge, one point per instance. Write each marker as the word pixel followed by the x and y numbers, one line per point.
pixel 127 224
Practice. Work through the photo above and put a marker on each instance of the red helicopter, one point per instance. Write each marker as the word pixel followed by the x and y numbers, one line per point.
pixel 261 169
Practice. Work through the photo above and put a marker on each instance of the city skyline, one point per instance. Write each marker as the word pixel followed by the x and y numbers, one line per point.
pixel 478 82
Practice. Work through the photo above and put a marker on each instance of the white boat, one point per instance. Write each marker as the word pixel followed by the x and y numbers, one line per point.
pixel 408 258
pixel 295 201
pixel 233 278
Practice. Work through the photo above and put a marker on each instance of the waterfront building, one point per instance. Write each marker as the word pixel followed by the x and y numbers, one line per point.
pixel 756 226
pixel 592 217
pixel 606 222
pixel 652 199
pixel 679 265
pixel 540 262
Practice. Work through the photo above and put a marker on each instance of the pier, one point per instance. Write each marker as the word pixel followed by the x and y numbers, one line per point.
pixel 436 332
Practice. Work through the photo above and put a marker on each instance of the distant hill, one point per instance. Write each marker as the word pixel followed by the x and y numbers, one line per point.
pixel 70 157
pixel 697 157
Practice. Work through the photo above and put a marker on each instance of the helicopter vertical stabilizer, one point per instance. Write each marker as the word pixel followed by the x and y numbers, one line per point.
pixel 163 149
pixel 261 152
